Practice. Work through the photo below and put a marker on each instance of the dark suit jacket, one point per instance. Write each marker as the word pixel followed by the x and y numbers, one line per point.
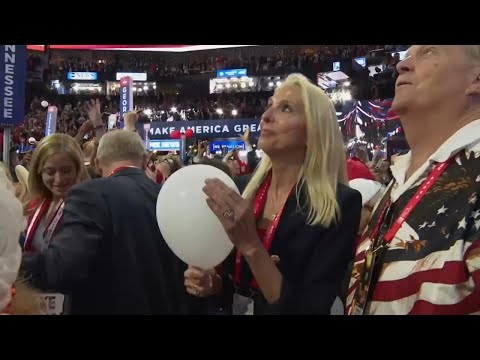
pixel 109 253
pixel 313 260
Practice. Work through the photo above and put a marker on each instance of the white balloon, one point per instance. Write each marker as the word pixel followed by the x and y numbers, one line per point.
pixel 191 230
pixel 44 103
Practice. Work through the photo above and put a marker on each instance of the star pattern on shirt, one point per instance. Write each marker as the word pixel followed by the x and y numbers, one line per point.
pixel 423 225
pixel 442 210
pixel 462 224
pixel 431 225
pixel 477 224
pixel 475 214
pixel 473 198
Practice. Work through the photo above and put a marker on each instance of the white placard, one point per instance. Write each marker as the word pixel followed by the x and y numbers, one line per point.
pixel 52 303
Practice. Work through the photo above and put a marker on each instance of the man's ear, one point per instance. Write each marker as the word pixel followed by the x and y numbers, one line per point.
pixel 98 167
pixel 145 160
pixel 474 88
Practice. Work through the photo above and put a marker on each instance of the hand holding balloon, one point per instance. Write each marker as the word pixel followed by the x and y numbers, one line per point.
pixel 235 213
pixel 197 237
pixel 202 283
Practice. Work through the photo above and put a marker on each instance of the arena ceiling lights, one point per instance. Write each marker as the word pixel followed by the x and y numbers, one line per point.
pixel 164 48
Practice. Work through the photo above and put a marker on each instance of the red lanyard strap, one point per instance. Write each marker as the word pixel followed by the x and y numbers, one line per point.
pixel 421 192
pixel 41 210
pixel 258 207
pixel 48 233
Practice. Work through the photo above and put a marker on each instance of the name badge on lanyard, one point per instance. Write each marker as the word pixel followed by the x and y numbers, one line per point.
pixel 51 303
pixel 242 305
pixel 374 255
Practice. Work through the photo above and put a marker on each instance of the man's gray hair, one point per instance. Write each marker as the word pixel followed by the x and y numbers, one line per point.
pixel 120 145
pixel 473 52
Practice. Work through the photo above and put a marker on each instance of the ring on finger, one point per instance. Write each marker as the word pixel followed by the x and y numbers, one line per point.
pixel 228 214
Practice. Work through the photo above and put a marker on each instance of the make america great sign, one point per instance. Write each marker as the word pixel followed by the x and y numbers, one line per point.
pixel 206 129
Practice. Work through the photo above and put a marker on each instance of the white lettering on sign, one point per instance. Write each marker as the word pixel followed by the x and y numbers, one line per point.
pixel 82 76
pixel 207 129
pixel 8 81
pixel 241 128
pixel 8 102
pixel 52 304
pixel 9 69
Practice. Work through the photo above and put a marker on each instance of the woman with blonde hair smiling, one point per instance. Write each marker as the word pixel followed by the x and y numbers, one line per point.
pixel 292 247
pixel 57 165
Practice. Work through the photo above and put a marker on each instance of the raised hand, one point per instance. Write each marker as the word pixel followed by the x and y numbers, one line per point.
pixel 94 112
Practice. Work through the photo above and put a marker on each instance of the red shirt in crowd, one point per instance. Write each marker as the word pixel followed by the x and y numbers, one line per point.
pixel 357 169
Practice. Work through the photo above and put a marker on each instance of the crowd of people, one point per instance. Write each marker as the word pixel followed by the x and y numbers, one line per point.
pixel 158 67
pixel 72 114
pixel 314 231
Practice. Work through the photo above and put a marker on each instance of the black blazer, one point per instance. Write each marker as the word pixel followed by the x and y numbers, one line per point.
pixel 109 253
pixel 313 260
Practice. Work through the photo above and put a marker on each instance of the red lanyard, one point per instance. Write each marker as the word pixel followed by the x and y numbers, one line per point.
pixel 42 210
pixel 259 205
pixel 48 233
pixel 120 168
pixel 422 190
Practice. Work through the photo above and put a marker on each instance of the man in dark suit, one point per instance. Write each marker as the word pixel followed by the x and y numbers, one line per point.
pixel 109 253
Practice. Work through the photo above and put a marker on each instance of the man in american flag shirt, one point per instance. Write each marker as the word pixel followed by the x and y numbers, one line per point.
pixel 431 265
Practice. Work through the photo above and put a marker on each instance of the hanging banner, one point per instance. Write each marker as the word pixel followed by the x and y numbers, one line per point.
pixel 51 126
pixel 126 97
pixel 206 129
pixel 146 137
pixel 13 71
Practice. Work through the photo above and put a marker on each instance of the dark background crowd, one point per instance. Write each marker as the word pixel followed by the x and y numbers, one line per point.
pixel 168 103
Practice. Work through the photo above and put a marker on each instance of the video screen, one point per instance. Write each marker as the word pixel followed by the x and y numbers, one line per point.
pixel 331 80
pixel 361 61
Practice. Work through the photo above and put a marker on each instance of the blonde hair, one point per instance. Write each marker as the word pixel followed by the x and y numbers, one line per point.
pixel 51 145
pixel 6 178
pixel 324 165
pixel 121 145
